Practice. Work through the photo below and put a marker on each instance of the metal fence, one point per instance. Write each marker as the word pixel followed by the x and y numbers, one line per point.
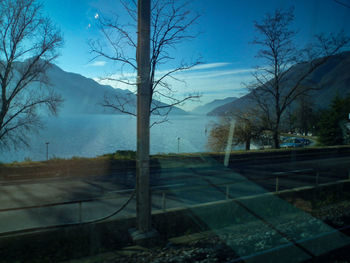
pixel 166 194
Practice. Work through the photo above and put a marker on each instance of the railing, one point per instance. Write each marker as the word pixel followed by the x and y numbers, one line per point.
pixel 276 176
pixel 79 204
pixel 164 192
pixel 294 172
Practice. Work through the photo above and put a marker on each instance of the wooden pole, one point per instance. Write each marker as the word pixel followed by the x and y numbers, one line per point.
pixel 143 197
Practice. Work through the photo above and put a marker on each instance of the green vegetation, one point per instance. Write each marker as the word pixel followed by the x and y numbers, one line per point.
pixel 273 90
pixel 331 126
pixel 304 117
pixel 124 161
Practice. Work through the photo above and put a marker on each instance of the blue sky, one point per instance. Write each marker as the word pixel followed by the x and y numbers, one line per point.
pixel 226 28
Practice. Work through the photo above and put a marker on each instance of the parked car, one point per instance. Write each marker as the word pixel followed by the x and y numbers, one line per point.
pixel 305 141
pixel 292 143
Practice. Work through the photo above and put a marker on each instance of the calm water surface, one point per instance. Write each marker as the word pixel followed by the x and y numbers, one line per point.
pixel 93 135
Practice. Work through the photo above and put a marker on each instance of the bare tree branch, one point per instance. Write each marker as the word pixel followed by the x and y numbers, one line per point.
pixel 120 104
pixel 171 24
pixel 273 91
pixel 29 42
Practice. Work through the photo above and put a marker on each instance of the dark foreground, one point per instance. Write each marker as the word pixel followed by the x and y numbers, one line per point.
pixel 250 242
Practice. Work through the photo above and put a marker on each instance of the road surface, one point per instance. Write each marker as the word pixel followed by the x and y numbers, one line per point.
pixel 176 186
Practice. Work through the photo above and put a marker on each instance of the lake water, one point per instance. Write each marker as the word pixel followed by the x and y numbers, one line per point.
pixel 93 135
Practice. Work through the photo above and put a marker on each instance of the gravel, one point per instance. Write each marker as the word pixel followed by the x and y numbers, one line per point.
pixel 230 243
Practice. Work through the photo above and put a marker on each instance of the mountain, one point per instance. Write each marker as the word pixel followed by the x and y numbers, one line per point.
pixel 84 95
pixel 206 108
pixel 331 78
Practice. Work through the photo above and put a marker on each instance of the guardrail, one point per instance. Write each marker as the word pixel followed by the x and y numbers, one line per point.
pixel 77 202
pixel 276 176
pixel 164 192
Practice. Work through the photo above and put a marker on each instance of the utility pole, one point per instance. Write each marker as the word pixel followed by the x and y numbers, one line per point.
pixel 143 195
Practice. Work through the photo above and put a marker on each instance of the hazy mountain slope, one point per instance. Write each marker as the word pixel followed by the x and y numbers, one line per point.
pixel 84 96
pixel 80 94
pixel 206 108
pixel 332 77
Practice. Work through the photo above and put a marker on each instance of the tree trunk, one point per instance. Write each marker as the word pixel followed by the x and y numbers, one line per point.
pixel 247 144
pixel 276 130
pixel 276 141
pixel 143 195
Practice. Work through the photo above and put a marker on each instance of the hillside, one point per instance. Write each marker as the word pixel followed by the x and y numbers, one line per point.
pixel 83 95
pixel 206 108
pixel 331 78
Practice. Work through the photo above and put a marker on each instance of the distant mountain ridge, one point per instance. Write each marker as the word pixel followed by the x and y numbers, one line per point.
pixel 208 107
pixel 84 95
pixel 332 77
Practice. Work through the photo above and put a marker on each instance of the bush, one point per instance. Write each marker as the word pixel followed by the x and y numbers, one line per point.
pixel 121 155
pixel 330 126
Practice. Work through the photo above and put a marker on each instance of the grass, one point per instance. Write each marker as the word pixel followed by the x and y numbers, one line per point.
pixel 121 155
pixel 118 155
pixel 130 156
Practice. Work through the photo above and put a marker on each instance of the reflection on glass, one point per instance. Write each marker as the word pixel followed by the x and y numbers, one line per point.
pixel 249 131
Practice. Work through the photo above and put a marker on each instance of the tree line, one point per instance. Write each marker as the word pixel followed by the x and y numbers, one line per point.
pixel 330 125
pixel 280 91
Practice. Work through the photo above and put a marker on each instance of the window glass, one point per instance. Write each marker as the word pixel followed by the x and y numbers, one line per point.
pixel 210 132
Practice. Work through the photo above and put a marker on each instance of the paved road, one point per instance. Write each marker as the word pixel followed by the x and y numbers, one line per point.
pixel 181 185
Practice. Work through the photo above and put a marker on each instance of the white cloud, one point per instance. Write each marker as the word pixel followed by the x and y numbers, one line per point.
pixel 214 73
pixel 210 65
pixel 212 82
pixel 97 64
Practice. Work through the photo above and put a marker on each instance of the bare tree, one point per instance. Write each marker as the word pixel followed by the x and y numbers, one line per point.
pixel 28 43
pixel 171 23
pixel 218 135
pixel 273 89
pixel 247 128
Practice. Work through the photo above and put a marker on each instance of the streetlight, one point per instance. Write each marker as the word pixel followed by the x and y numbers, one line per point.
pixel 47 151
pixel 178 144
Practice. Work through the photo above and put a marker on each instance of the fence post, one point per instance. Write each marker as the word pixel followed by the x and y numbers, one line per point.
pixel 80 212
pixel 163 201
pixel 277 186
pixel 227 192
